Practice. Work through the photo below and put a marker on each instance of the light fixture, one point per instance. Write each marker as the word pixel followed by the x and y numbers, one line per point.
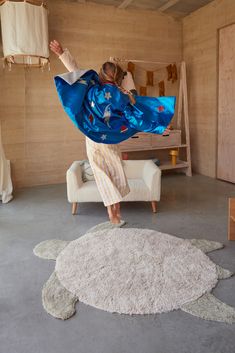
pixel 24 32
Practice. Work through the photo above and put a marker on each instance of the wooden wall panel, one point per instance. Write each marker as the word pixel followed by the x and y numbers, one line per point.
pixel 39 138
pixel 200 51
pixel 226 113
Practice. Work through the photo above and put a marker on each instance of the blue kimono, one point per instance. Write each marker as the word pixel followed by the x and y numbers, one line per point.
pixel 104 113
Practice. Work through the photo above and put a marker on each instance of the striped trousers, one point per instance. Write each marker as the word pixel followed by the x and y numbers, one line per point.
pixel 106 163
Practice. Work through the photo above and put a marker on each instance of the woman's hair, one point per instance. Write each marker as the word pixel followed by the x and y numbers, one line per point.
pixel 111 72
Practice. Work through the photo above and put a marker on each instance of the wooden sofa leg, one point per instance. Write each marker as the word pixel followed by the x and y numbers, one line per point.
pixel 231 219
pixel 74 208
pixel 154 206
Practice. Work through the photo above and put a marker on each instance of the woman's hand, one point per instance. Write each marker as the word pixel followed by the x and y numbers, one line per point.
pixel 56 47
pixel 167 131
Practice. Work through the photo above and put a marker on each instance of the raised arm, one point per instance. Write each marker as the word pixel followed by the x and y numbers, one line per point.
pixel 64 55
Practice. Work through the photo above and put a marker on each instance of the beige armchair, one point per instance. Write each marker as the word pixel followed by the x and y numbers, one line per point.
pixel 144 179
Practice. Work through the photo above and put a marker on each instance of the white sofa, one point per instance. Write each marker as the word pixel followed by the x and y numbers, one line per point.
pixel 144 179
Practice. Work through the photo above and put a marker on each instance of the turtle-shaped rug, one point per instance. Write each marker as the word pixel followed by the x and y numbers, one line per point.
pixel 133 271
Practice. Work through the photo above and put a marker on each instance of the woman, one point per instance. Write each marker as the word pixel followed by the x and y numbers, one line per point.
pixel 106 112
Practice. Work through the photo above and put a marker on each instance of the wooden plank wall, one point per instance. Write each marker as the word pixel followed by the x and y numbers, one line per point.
pixel 38 137
pixel 200 51
pixel 226 106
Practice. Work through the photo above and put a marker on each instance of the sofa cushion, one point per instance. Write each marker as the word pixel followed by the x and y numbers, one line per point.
pixel 87 172
pixel 138 191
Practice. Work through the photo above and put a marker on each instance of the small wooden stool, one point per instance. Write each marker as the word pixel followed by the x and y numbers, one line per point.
pixel 231 219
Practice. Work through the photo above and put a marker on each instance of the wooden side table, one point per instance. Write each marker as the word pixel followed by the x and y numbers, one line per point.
pixel 231 219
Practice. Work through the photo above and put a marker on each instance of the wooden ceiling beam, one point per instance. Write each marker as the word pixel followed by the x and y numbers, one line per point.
pixel 169 4
pixel 125 4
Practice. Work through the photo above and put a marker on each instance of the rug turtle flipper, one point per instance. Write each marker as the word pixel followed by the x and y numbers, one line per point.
pixel 223 273
pixel 106 225
pixel 57 300
pixel 208 307
pixel 50 249
pixel 206 245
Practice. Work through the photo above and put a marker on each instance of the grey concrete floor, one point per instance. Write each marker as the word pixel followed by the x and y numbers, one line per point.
pixel 190 207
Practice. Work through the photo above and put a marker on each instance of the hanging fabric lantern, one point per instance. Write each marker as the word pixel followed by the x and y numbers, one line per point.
pixel 25 32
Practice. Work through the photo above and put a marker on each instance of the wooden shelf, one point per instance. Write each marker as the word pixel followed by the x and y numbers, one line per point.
pixel 147 148
pixel 153 142
pixel 166 165
pixel 169 147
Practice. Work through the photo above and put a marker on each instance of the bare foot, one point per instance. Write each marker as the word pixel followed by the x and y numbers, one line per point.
pixel 112 212
pixel 117 211
pixel 115 221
